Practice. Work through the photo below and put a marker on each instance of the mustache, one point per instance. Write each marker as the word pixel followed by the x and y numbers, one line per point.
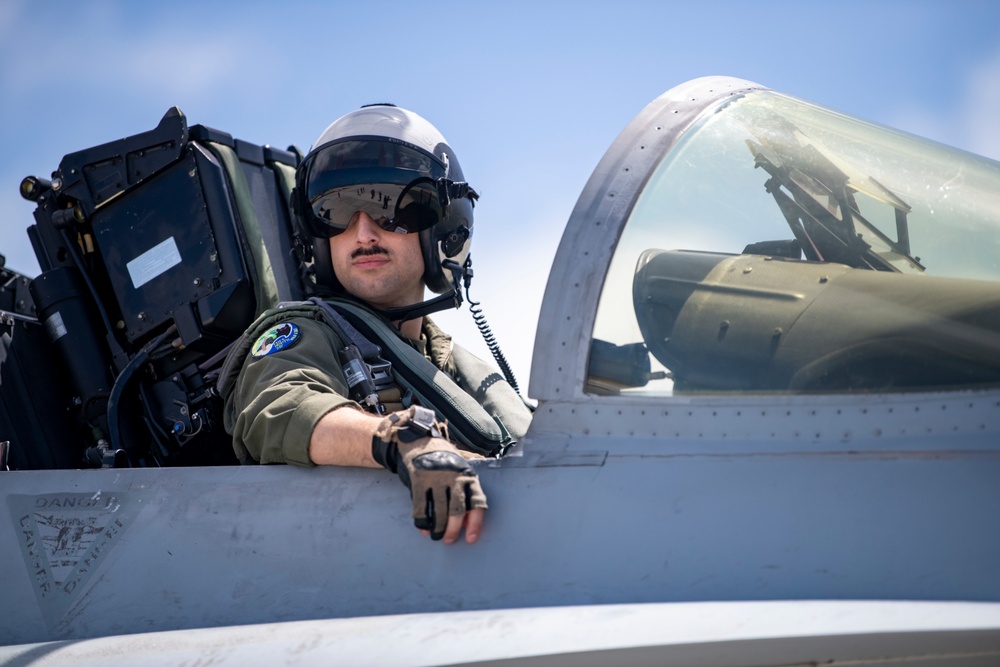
pixel 369 250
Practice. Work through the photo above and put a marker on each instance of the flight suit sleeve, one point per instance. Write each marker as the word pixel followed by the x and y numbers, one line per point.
pixel 279 397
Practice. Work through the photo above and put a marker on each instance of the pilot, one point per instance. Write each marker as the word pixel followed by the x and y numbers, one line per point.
pixel 383 212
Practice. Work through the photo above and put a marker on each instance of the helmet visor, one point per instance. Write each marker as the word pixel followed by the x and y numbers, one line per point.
pixel 403 209
pixel 395 184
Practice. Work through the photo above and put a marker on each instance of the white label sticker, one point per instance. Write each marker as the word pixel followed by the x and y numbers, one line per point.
pixel 153 262
pixel 55 327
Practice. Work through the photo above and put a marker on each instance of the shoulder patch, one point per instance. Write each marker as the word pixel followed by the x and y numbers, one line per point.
pixel 275 339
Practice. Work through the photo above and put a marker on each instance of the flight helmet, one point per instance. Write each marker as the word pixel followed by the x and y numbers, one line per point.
pixel 394 165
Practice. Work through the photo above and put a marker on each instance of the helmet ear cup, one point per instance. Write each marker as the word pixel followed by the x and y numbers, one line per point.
pixel 454 243
pixel 440 243
pixel 433 275
pixel 450 238
pixel 313 251
pixel 323 266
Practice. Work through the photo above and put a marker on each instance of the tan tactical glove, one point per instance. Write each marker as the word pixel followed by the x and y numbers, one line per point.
pixel 412 444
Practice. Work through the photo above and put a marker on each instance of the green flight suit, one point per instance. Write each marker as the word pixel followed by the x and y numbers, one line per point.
pixel 277 398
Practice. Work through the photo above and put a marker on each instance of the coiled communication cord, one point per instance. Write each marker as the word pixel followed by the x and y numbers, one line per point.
pixel 491 341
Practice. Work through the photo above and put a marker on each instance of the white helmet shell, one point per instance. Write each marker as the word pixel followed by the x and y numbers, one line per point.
pixel 386 144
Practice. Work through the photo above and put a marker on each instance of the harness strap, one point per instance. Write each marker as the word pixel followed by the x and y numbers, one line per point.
pixel 469 423
pixel 369 350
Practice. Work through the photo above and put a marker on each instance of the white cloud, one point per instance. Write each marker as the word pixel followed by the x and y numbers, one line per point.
pixel 979 120
pixel 180 67
pixel 99 51
pixel 9 12
pixel 30 55
pixel 971 123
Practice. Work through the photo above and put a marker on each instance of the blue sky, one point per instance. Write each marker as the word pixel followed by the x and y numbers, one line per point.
pixel 529 94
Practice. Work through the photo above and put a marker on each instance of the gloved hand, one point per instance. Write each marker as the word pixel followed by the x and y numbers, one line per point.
pixel 412 444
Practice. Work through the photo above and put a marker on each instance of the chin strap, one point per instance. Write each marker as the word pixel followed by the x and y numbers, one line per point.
pixel 450 299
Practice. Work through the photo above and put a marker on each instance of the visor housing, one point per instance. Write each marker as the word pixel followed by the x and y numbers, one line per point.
pixel 396 184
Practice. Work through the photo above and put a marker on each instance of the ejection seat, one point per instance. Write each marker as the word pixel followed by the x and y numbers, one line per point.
pixel 157 251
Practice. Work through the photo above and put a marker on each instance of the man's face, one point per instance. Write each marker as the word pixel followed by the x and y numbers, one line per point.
pixel 383 268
